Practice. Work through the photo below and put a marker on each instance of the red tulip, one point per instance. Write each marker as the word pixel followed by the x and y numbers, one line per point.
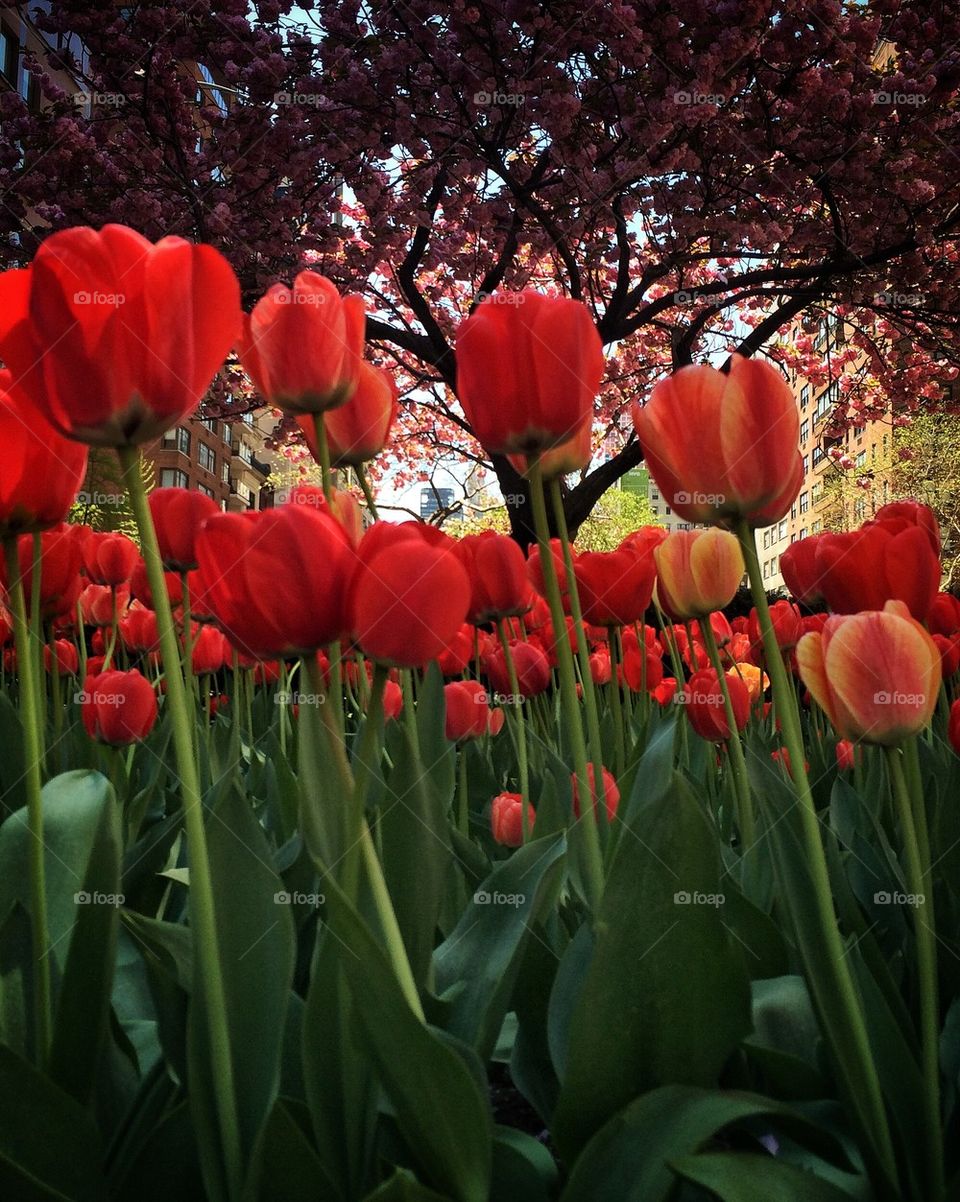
pixel 506 819
pixel 140 585
pixel 276 580
pixel 949 654
pixel 876 675
pixel 118 708
pixel 798 565
pixel 115 339
pixel 665 692
pixel 453 659
pixel 211 651
pixel 615 586
pixel 528 370
pixel 876 564
pixel 703 699
pixel 600 668
pixel 611 794
pixel 499 586
pixel 944 615
pixel 409 595
pixel 358 429
pixel 530 664
pixel 178 513
pixel 468 711
pixel 138 630
pixel 67 659
pixel 40 471
pixel 570 456
pixel 902 515
pixel 723 446
pixel 302 346
pixel 535 570
pixel 845 755
pixel 60 582
pixel 109 558
pixel 392 700
pixel 787 625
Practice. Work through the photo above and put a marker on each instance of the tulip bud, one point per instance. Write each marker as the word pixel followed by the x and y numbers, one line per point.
pixel 506 819
pixel 698 571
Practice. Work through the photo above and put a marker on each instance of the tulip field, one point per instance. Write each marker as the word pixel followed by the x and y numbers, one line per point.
pixel 344 860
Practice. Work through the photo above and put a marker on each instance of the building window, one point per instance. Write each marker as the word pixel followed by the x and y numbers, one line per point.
pixel 655 509
pixel 172 477
pixel 774 565
pixel 818 455
pixel 178 440
pixel 666 510
pixel 207 492
pixel 816 527
pixel 805 429
pixel 209 424
pixel 225 471
pixel 244 451
pixel 816 493
pixel 243 491
pixel 9 54
pixel 207 458
pixel 794 537
pixel 793 510
pixel 803 532
pixel 861 458
pixel 782 532
pixel 226 431
pixel 804 502
pixel 766 540
pixel 805 395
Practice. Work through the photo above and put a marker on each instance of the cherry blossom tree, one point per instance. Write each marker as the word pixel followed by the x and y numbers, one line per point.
pixel 708 176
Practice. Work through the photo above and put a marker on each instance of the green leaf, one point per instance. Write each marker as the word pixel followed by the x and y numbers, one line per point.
pixel 49 1146
pixel 404 1187
pixel 439 1109
pixel 290 1168
pixel 482 956
pixel 522 1168
pixel 83 1004
pixel 749 1177
pixel 255 945
pixel 416 848
pixel 629 1158
pixel 666 997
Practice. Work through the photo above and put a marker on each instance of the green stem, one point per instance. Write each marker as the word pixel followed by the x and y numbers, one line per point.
pixel 56 703
pixel 187 640
pixel 920 885
pixel 36 647
pixel 202 904
pixel 463 802
pixel 517 704
pixel 592 859
pixel 33 788
pixel 583 650
pixel 365 489
pixel 828 972
pixel 748 830
pixel 323 455
pixel 616 703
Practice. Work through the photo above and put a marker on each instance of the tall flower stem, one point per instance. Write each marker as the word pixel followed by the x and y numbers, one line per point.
pixel 517 703
pixel 32 754
pixel 323 455
pixel 583 651
pixel 592 860
pixel 924 926
pixel 35 632
pixel 748 830
pixel 366 490
pixel 187 639
pixel 827 967
pixel 616 702
pixel 202 905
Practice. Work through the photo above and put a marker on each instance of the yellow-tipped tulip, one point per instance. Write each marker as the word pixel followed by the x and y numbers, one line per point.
pixel 698 571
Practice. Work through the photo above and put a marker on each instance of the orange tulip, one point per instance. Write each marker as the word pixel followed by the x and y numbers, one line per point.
pixel 698 571
pixel 876 674
pixel 357 430
pixel 722 446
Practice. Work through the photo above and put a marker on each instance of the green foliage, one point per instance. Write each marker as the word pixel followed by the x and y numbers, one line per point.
pixel 103 503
